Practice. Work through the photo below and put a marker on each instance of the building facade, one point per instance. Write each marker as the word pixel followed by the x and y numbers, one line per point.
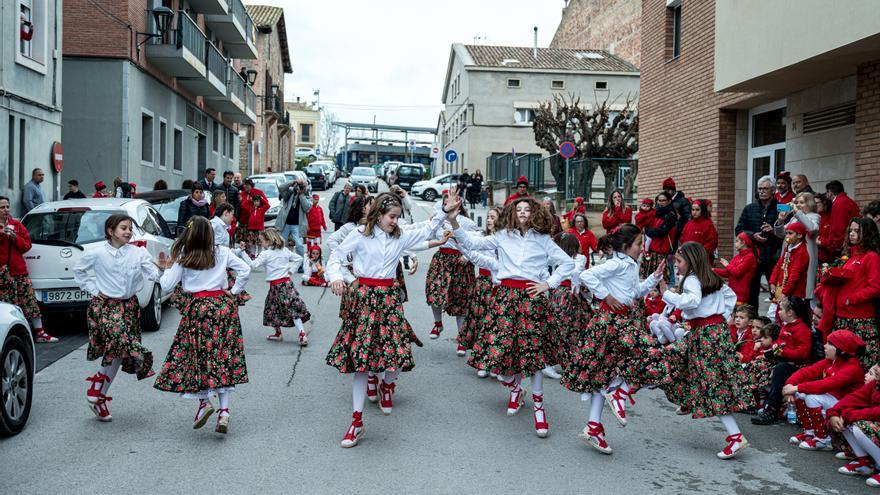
pixel 30 97
pixel 305 119
pixel 268 144
pixel 610 25
pixel 158 89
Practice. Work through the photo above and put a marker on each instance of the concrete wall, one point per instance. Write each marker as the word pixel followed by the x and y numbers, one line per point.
pixel 613 25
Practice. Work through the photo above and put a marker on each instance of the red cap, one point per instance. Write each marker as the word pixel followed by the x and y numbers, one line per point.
pixel 847 341
pixel 315 196
pixel 648 201
pixel 522 180
pixel 669 183
pixel 746 239
pixel 133 185
pixel 786 176
pixel 797 228
pixel 315 247
pixel 100 185
pixel 579 200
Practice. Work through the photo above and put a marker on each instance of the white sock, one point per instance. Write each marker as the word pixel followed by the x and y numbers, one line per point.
pixel 459 320
pixel 617 383
pixel 851 440
pixel 224 402
pixel 538 383
pixel 298 323
pixel 729 423
pixel 866 444
pixel 110 370
pixel 390 377
pixel 668 331
pixel 597 402
pixel 516 379
pixel 358 391
pixel 36 323
pixel 438 313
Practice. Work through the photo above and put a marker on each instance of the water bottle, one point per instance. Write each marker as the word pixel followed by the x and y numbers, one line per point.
pixel 790 414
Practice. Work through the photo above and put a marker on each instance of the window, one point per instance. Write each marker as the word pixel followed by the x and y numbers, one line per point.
pixel 557 84
pixel 26 15
pixel 524 116
pixel 223 151
pixel 146 139
pixel 22 159
pixel 673 29
pixel 148 224
pixel 32 33
pixel 216 136
pixel 601 84
pixel 178 150
pixel 768 128
pixel 231 144
pixel 464 119
pixel 10 181
pixel 163 143
pixel 305 132
pixel 513 83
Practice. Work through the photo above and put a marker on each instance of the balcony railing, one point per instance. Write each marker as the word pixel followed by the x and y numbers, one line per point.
pixel 237 86
pixel 189 36
pixel 216 62
pixel 250 102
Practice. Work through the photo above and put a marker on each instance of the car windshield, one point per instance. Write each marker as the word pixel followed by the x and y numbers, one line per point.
pixel 68 227
pixel 169 209
pixel 314 169
pixel 363 171
pixel 269 187
pixel 409 171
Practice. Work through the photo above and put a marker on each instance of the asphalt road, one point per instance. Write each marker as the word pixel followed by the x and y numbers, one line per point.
pixel 449 432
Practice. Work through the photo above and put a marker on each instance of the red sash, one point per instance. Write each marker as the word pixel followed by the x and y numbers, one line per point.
pixel 208 293
pixel 376 282
pixel 449 251
pixel 279 281
pixel 514 283
pixel 704 322
pixel 485 273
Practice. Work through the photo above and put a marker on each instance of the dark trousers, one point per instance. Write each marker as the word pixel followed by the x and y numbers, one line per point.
pixel 765 268
pixel 781 373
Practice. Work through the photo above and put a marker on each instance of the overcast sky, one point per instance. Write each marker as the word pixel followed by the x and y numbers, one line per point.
pixel 388 57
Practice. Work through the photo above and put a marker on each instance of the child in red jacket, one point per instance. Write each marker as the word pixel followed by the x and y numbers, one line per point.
pixel 819 386
pixel 254 207
pixel 741 331
pixel 700 228
pixel 739 270
pixel 789 278
pixel 317 223
pixel 857 417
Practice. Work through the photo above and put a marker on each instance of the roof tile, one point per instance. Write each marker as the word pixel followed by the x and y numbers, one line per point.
pixel 548 58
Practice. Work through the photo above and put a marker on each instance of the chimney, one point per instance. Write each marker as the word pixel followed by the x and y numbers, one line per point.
pixel 297 99
pixel 536 44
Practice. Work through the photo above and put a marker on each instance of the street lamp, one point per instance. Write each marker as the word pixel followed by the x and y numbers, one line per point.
pixel 162 18
pixel 251 77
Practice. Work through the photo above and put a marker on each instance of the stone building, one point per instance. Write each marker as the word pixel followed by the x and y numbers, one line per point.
pixel 610 25
pixel 305 119
pixel 267 147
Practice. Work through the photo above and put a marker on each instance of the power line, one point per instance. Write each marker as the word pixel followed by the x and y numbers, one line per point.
pixel 379 107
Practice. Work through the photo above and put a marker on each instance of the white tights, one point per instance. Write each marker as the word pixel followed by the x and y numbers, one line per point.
pixel 358 391
pixel 298 323
pixel 862 445
pixel 537 382
pixel 223 397
pixel 729 423
pixel 36 323
pixel 110 370
pixel 459 320
pixel 597 402
pixel 438 313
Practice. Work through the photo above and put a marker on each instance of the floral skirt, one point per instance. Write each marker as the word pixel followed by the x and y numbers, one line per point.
pixel 115 333
pixel 17 290
pixel 179 299
pixel 449 283
pixel 518 334
pixel 713 381
pixel 284 305
pixel 613 345
pixel 208 349
pixel 230 281
pixel 866 329
pixel 759 371
pixel 478 309
pixel 375 336
pixel 573 313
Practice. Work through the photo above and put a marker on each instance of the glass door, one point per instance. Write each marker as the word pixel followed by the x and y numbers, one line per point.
pixel 767 129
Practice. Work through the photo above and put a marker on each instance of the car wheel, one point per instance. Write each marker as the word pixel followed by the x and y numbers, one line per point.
pixel 16 386
pixel 429 195
pixel 151 316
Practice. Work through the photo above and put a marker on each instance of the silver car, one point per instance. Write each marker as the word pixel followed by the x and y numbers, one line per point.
pixel 365 176
pixel 17 365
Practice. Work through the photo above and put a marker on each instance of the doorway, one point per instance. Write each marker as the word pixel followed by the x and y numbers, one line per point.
pixel 766 142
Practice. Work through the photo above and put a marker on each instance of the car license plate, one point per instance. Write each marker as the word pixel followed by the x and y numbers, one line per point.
pixel 65 295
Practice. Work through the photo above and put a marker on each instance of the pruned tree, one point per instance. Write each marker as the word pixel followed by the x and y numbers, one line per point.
pixel 329 133
pixel 598 133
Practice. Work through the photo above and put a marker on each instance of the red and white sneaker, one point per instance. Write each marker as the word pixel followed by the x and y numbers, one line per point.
pixel 862 466
pixel 800 437
pixel 816 444
pixel 93 394
pixel 222 421
pixel 205 410
pixel 844 456
pixel 594 436
pixel 372 388
pixel 355 431
pixel 275 337
pixel 41 337
pixel 736 444
pixel 515 400
pixel 100 409
pixel 460 351
pixel 303 339
pixel 387 391
pixel 617 403
pixel 873 480
pixel 542 428
pixel 435 332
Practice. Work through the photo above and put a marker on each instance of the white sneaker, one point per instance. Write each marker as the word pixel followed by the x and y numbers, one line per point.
pixel 550 372
pixel 482 373
pixel 594 436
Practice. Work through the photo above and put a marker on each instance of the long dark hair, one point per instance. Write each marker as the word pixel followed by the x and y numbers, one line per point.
pixel 356 212
pixel 704 208
pixel 610 205
pixel 574 221
pixel 623 237
pixel 869 237
pixel 384 203
pixel 569 243
pixel 697 259
pixel 194 249
pixel 461 209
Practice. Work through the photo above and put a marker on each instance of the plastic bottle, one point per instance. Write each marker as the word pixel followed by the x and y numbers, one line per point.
pixel 790 414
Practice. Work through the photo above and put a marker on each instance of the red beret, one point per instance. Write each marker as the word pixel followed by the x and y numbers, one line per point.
pixel 522 180
pixel 648 201
pixel 578 199
pixel 786 176
pixel 746 239
pixel 315 247
pixel 100 185
pixel 797 228
pixel 315 196
pixel 669 183
pixel 847 341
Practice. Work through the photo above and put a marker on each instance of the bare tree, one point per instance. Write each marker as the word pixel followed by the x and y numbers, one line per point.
pixel 329 133
pixel 595 134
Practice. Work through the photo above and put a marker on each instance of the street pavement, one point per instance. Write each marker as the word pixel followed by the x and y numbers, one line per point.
pixel 448 433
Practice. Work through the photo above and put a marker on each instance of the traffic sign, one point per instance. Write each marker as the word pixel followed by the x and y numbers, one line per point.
pixel 412 145
pixel 435 152
pixel 451 156
pixel 567 149
pixel 57 157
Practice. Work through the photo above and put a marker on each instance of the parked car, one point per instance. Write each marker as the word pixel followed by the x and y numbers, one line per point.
pixel 167 203
pixel 329 170
pixel 283 177
pixel 431 189
pixel 316 174
pixel 306 153
pixel 365 176
pixel 380 170
pixel 408 174
pixel 61 231
pixel 17 365
pixel 269 186
pixel 389 168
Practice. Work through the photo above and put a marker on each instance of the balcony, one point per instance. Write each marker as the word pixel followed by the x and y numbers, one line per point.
pixel 274 105
pixel 214 84
pixel 250 105
pixel 231 104
pixel 216 7
pixel 236 29
pixel 181 51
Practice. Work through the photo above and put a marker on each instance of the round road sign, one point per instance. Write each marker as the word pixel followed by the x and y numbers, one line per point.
pixel 451 156
pixel 567 149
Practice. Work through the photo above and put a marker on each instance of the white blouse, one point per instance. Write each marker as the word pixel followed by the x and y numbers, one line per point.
pixel 465 223
pixel 377 255
pixel 693 304
pixel 309 269
pixel 522 257
pixel 279 263
pixel 116 273
pixel 221 232
pixel 619 277
pixel 213 278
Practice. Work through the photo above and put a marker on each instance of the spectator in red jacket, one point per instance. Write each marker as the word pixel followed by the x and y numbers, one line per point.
pixel 578 207
pixel 789 278
pixel 254 207
pixel 741 331
pixel 700 228
pixel 616 213
pixel 581 229
pixel 843 210
pixel 522 190
pixel 739 270
pixel 661 233
pixel 317 223
pixel 856 417
pixel 784 194
pixel 818 387
pixel 645 216
pixel 791 351
pixel 15 284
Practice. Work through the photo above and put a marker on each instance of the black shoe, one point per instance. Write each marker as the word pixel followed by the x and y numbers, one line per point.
pixel 765 418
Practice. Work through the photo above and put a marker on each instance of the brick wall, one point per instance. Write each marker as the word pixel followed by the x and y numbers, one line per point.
pixel 612 25
pixel 867 146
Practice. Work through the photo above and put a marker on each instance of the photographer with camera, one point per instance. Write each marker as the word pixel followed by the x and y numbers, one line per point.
pixel 293 216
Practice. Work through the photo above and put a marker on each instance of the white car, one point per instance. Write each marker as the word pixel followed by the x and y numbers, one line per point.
pixel 17 365
pixel 306 153
pixel 431 189
pixel 61 231
pixel 329 170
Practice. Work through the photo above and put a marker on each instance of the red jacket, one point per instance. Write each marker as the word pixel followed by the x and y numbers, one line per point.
pixel 701 230
pixel 824 238
pixel 618 217
pixel 739 274
pixel 316 221
pixel 744 343
pixel 843 211
pixel 838 378
pixel 644 219
pixel 569 215
pixel 863 404
pixel 795 341
pixel 246 197
pixel 11 251
pixel 861 284
pixel 788 198
pixel 514 197
pixel 796 281
pixel 654 305
pixel 588 241
pixel 660 244
pixel 256 218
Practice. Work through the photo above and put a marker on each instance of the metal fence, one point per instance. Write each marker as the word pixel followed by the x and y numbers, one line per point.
pixel 190 36
pixel 584 178
pixel 216 62
pixel 506 168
